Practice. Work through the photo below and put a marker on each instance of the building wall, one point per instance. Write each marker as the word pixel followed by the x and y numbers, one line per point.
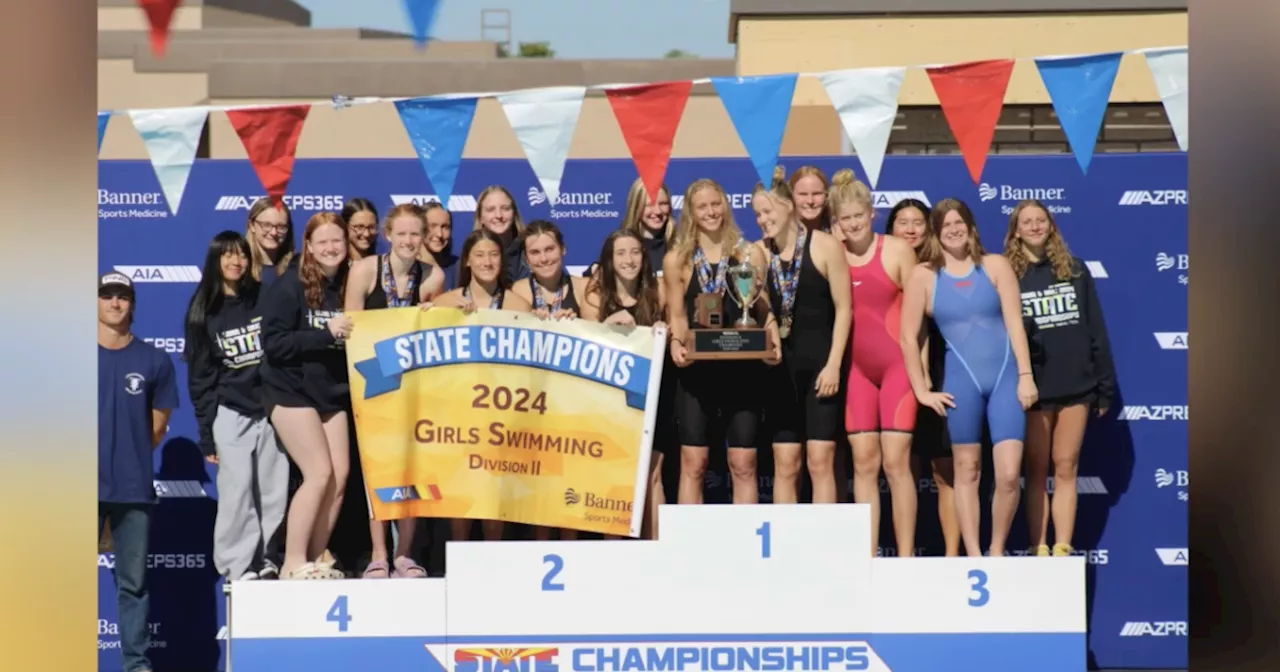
pixel 186 18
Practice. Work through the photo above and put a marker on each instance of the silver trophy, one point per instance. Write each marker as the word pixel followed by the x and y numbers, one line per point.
pixel 745 285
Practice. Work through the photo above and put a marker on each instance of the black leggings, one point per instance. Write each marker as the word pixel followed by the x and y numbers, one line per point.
pixel 722 396
pixel 793 412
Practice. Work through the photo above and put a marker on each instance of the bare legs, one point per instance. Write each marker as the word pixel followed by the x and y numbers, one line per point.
pixel 1054 436
pixel 319 447
pixel 866 478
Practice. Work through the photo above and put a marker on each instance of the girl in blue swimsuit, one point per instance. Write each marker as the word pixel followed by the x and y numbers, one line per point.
pixel 974 299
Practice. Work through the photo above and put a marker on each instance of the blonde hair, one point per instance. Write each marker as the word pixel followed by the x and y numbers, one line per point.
pixel 931 252
pixel 845 190
pixel 1055 247
pixel 258 257
pixel 515 212
pixel 824 218
pixel 637 199
pixel 778 189
pixel 686 239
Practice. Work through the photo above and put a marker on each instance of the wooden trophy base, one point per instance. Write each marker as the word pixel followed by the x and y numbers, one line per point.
pixel 744 343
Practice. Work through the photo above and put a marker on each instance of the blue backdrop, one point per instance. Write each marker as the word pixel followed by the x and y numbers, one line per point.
pixel 1128 217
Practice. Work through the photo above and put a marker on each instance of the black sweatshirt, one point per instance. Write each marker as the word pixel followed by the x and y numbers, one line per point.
pixel 224 366
pixel 1070 352
pixel 305 366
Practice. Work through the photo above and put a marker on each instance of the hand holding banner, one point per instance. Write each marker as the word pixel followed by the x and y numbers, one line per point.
pixel 504 416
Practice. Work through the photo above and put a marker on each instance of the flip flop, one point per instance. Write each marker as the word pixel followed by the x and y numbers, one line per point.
pixel 408 569
pixel 377 569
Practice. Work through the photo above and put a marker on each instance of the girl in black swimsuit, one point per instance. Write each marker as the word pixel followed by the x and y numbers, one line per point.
pixel 627 293
pixel 553 293
pixel 394 280
pixel 482 285
pixel 713 392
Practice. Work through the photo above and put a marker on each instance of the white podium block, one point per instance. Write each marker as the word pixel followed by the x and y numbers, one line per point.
pixel 784 533
pixel 1010 613
pixel 326 625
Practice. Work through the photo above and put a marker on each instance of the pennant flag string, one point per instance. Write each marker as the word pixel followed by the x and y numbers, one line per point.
pixel 1169 70
pixel 159 18
pixel 648 117
pixel 270 138
pixel 759 108
pixel 103 119
pixel 1079 89
pixel 971 96
pixel 867 103
pixel 438 130
pixel 543 121
pixel 171 138
pixel 422 15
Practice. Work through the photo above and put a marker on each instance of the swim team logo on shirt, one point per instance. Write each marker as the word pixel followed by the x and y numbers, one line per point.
pixel 242 346
pixel 319 319
pixel 135 383
pixel 1053 306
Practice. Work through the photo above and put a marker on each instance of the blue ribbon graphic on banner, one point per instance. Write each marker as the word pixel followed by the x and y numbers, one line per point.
pixel 1079 88
pixel 485 344
pixel 438 129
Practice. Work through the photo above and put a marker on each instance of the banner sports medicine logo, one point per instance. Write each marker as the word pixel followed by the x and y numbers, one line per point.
pixel 1008 195
pixel 1157 197
pixel 577 204
pixel 131 205
pixel 1177 478
pixel 1169 262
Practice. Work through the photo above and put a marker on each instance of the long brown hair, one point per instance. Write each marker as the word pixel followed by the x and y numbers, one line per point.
pixel 637 199
pixel 687 228
pixel 464 265
pixel 824 219
pixel 309 271
pixel 931 252
pixel 258 257
pixel 1055 247
pixel 605 283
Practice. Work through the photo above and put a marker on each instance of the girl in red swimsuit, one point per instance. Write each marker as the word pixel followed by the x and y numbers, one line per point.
pixel 880 408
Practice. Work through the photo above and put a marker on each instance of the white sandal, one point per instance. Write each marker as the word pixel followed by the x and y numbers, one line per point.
pixel 308 571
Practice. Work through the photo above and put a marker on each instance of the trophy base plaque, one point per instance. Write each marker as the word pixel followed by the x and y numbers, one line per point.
pixel 730 344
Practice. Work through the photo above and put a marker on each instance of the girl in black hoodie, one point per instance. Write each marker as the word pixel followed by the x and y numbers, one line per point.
pixel 223 353
pixel 269 230
pixel 496 212
pixel 1071 363
pixel 305 390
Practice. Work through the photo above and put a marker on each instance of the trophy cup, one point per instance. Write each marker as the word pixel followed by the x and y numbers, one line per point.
pixel 744 339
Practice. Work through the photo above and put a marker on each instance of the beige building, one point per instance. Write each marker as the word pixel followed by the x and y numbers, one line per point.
pixel 245 52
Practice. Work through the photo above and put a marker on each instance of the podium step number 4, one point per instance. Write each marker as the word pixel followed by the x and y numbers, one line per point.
pixel 726 589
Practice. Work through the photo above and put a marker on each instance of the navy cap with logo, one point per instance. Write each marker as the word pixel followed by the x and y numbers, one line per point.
pixel 115 282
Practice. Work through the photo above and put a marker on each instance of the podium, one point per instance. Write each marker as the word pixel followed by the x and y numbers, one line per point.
pixel 726 589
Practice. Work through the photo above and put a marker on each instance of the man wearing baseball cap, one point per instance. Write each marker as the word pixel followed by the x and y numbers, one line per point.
pixel 136 394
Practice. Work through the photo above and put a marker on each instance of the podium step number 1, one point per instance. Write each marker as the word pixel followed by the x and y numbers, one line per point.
pixel 726 589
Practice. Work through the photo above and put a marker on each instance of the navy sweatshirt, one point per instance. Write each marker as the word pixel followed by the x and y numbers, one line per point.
pixel 223 370
pixel 1070 352
pixel 305 366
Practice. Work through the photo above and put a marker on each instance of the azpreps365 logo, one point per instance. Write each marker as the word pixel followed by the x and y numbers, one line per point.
pixel 524 659
pixel 1156 197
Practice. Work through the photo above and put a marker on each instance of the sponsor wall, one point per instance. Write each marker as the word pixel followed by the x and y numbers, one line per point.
pixel 1127 219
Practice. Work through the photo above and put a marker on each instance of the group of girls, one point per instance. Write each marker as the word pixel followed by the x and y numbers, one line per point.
pixel 865 324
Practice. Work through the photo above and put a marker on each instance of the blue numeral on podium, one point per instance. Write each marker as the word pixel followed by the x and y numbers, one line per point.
pixel 338 613
pixel 549 581
pixel 979 595
pixel 766 547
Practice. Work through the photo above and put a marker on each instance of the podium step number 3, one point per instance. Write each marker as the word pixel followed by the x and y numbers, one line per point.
pixel 726 589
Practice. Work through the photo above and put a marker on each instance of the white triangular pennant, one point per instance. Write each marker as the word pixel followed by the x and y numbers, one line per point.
pixel 1169 69
pixel 544 121
pixel 172 137
pixel 867 101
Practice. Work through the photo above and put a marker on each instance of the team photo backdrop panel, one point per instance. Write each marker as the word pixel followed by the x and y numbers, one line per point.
pixel 1128 217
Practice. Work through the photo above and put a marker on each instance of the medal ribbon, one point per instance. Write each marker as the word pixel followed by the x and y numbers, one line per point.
pixel 786 282
pixel 495 301
pixel 711 284
pixel 540 301
pixel 394 300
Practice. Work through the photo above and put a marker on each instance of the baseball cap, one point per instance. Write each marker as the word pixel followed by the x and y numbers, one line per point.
pixel 115 282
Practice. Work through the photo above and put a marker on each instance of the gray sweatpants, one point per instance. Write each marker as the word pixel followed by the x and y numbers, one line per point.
pixel 253 490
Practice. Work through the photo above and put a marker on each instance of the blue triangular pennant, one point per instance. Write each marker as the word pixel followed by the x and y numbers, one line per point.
pixel 759 108
pixel 438 129
pixel 1079 88
pixel 103 119
pixel 422 14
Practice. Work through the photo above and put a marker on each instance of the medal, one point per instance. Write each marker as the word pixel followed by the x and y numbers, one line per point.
pixel 394 299
pixel 784 330
pixel 787 282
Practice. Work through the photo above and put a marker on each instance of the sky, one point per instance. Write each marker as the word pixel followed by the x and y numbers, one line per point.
pixel 575 28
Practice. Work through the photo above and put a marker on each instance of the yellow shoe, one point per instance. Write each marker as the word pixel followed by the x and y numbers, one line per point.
pixel 1061 550
pixel 1041 551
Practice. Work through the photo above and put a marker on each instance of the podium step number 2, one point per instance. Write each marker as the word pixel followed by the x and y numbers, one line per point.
pixel 726 589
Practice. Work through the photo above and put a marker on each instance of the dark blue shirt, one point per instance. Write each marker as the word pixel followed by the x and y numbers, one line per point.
pixel 132 381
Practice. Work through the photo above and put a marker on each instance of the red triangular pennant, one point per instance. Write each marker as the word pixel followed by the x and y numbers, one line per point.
pixel 159 16
pixel 971 96
pixel 270 138
pixel 648 116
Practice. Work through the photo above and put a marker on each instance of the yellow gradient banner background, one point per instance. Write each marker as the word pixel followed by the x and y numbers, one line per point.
pixel 502 441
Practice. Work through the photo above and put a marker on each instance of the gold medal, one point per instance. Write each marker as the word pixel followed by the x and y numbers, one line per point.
pixel 784 329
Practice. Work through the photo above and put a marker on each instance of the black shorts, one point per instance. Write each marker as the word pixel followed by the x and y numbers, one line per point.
pixel 1089 398
pixel 930 440
pixel 719 399
pixel 665 438
pixel 793 412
